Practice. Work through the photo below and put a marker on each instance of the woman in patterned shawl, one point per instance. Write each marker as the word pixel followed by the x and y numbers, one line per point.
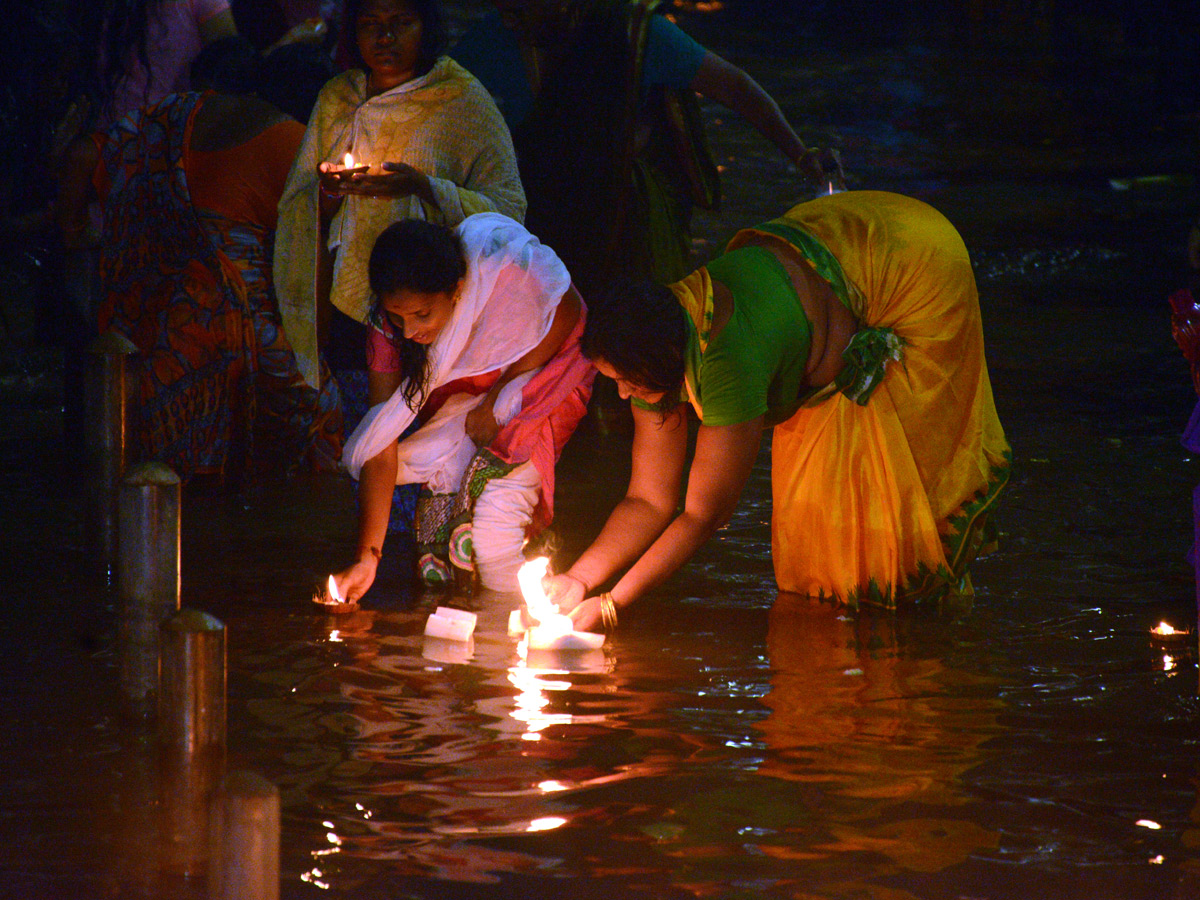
pixel 437 149
pixel 852 326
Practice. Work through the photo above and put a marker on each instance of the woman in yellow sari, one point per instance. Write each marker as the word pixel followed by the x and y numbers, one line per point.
pixel 850 325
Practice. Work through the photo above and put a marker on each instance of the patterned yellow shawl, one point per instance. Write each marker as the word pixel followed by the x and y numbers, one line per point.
pixel 443 123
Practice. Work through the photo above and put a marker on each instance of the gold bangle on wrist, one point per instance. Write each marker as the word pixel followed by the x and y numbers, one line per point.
pixel 608 611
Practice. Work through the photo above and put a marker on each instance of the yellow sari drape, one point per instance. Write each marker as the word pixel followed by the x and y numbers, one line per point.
pixel 889 500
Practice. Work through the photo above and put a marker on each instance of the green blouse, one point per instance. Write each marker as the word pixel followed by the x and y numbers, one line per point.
pixel 755 364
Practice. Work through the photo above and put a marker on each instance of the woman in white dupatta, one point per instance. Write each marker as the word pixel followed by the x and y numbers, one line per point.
pixel 476 335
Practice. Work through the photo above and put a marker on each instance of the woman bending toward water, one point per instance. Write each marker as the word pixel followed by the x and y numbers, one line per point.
pixel 475 335
pixel 850 325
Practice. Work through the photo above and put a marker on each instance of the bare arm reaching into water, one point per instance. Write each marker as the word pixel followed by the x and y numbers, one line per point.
pixel 644 527
pixel 376 484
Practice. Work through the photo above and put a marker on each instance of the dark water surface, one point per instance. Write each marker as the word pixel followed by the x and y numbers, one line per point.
pixel 725 743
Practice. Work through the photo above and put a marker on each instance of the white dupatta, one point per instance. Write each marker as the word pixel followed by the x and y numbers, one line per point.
pixel 506 306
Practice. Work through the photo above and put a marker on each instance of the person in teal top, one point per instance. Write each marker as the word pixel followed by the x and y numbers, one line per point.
pixel 491 50
pixel 600 96
pixel 850 330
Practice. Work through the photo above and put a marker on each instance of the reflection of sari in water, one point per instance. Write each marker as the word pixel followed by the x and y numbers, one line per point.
pixel 884 733
pixel 191 287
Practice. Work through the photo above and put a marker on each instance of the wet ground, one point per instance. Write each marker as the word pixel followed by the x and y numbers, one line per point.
pixel 724 744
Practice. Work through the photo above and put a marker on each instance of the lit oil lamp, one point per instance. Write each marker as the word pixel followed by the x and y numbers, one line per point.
pixel 1166 632
pixel 551 630
pixel 349 168
pixel 331 598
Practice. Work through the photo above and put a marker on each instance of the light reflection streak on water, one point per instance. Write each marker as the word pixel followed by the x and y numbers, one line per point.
pixel 434 739
pixel 546 823
pixel 313 876
pixel 530 702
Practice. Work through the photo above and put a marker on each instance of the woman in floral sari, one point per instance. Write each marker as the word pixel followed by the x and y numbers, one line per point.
pixel 189 189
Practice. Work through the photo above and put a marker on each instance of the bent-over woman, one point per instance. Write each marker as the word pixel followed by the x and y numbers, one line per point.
pixel 851 326
pixel 476 334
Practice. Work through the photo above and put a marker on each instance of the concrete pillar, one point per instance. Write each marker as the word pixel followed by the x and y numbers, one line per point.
pixel 191 734
pixel 107 431
pixel 148 577
pixel 244 830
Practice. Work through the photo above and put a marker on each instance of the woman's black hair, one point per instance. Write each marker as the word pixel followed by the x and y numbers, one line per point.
pixel 292 76
pixel 228 65
pixel 413 255
pixel 124 32
pixel 638 328
pixel 434 37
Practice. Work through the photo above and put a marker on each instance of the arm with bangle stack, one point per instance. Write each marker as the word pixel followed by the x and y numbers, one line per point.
pixel 645 530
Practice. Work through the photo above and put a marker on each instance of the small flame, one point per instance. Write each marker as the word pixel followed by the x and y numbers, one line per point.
pixel 540 609
pixel 349 161
pixel 334 594
pixel 831 187
pixel 1162 629
pixel 529 577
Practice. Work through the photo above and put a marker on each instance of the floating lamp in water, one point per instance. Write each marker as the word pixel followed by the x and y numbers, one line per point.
pixel 551 629
pixel 1164 632
pixel 448 652
pixel 450 624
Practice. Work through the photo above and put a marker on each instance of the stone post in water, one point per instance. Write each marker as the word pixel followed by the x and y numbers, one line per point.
pixel 107 412
pixel 148 577
pixel 244 850
pixel 191 734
